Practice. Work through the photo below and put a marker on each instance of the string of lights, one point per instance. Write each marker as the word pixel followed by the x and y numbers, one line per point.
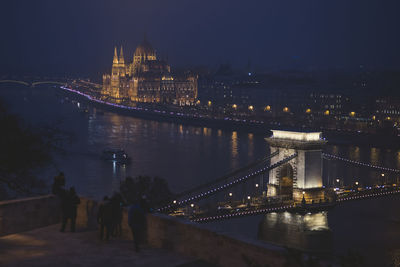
pixel 227 185
pixel 288 207
pixel 375 194
pixel 155 111
pixel 226 177
pixel 361 163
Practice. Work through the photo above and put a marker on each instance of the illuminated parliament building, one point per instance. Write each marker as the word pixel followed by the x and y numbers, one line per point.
pixel 147 79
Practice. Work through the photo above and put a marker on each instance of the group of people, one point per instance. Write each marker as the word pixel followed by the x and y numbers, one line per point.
pixel 109 215
pixel 109 218
pixel 69 201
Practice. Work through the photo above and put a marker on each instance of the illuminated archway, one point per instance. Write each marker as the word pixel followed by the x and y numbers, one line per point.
pixel 286 180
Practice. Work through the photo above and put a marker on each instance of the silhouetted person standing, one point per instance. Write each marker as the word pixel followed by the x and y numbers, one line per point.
pixel 69 205
pixel 137 221
pixel 105 218
pixel 117 202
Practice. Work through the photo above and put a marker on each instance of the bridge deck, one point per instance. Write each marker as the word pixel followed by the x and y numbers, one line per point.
pixel 48 247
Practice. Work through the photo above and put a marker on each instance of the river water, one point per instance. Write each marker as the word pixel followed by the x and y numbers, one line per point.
pixel 187 156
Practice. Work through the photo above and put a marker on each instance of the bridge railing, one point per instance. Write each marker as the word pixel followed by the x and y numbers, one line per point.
pixel 362 164
pixel 225 186
pixel 227 176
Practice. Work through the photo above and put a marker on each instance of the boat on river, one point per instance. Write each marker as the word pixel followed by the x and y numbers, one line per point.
pixel 116 155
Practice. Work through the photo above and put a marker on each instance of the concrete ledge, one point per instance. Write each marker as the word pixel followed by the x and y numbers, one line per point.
pixel 29 213
pixel 197 241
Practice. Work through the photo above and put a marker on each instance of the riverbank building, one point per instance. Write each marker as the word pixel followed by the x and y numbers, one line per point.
pixel 147 79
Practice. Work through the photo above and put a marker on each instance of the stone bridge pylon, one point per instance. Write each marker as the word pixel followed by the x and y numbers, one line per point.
pixel 302 175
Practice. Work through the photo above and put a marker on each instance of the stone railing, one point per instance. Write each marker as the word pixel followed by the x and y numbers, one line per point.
pixel 28 213
pixel 162 232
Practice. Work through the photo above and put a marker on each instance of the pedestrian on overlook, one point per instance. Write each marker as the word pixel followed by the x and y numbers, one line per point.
pixel 105 218
pixel 137 221
pixel 117 203
pixel 69 206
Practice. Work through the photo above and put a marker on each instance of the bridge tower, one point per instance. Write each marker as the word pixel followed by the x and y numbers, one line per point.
pixel 302 175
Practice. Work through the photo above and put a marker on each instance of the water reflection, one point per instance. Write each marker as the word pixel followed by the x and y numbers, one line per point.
pixel 398 160
pixel 354 153
pixel 335 150
pixel 234 147
pixel 375 156
pixel 308 232
pixel 251 144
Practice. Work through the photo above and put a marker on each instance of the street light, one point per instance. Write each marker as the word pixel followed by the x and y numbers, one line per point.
pixel 248 197
pixel 382 174
pixel 192 205
pixel 256 185
pixel 337 180
pixel 234 106
pixel 174 201
pixel 230 194
pixel 356 183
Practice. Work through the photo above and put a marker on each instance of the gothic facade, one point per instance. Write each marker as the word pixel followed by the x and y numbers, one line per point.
pixel 147 79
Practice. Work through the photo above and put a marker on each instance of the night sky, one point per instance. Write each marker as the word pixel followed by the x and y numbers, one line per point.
pixel 77 37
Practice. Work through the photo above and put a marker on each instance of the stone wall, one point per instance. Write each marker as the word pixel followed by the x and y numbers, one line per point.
pixel 29 213
pixel 197 241
pixel 162 232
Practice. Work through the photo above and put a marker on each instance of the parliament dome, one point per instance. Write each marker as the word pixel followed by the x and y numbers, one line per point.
pixel 145 49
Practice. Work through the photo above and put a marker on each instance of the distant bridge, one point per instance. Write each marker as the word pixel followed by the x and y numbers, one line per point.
pixel 32 84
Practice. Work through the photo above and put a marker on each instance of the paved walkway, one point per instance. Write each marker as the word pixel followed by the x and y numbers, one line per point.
pixel 48 247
